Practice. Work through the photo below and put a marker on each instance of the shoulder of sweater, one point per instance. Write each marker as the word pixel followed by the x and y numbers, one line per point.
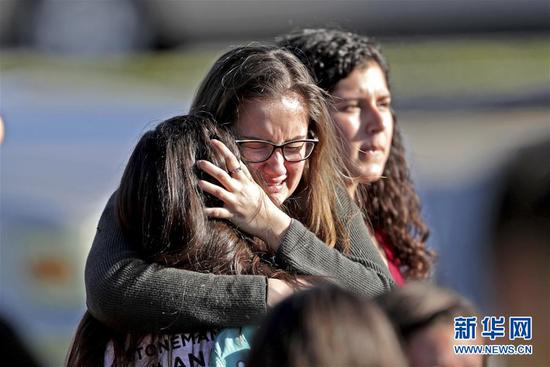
pixel 344 204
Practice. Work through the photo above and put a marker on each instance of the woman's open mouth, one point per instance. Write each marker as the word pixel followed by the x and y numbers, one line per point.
pixel 275 186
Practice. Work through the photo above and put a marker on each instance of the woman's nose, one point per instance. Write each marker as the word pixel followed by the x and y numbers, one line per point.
pixel 372 119
pixel 276 163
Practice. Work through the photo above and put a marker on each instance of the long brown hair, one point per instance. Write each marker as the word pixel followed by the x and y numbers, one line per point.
pixel 161 209
pixel 261 72
pixel 391 204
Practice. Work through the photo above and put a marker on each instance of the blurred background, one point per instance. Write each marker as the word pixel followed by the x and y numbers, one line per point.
pixel 80 81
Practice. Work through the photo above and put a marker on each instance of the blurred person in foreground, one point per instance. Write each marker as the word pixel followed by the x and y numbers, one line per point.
pixel 353 70
pixel 520 249
pixel 423 318
pixel 13 349
pixel 322 327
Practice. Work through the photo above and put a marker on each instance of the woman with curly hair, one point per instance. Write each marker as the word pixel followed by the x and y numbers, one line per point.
pixel 354 71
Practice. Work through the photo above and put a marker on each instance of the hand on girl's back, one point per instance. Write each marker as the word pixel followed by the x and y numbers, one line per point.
pixel 278 290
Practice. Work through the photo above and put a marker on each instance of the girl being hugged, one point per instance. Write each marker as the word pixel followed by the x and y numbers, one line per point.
pixel 162 211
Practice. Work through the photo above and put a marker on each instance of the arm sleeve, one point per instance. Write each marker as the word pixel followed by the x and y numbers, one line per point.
pixel 362 271
pixel 127 293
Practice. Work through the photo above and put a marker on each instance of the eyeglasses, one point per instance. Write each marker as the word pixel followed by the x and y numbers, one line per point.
pixel 257 151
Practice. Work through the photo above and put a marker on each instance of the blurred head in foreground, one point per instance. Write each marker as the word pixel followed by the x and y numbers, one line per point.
pixel 520 252
pixel 326 326
pixel 423 316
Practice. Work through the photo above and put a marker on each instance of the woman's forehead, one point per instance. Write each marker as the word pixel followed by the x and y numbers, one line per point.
pixel 275 119
pixel 369 79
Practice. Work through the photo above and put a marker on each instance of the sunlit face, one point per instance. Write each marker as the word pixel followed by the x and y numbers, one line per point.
pixel 433 347
pixel 277 120
pixel 363 116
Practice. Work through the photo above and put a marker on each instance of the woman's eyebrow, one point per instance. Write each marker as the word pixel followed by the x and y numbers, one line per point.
pixel 355 97
pixel 249 137
pixel 299 137
pixel 345 98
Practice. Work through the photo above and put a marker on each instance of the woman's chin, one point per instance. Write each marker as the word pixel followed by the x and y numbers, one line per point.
pixel 370 175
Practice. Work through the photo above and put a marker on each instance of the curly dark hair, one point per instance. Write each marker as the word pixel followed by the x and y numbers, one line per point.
pixel 391 205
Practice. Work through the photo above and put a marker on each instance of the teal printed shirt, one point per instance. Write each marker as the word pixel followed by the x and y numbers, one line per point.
pixel 231 347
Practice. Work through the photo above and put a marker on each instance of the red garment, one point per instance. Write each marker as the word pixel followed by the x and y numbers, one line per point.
pixel 393 261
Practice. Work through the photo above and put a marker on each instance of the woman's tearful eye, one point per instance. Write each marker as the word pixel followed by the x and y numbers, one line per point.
pixel 255 151
pixel 294 147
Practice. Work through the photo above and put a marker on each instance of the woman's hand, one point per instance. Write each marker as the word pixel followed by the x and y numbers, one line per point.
pixel 245 203
pixel 278 290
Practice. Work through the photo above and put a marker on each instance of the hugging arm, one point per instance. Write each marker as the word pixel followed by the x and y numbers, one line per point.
pixel 249 208
pixel 130 294
pixel 362 271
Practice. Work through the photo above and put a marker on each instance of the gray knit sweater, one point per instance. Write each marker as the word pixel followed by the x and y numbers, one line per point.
pixel 130 294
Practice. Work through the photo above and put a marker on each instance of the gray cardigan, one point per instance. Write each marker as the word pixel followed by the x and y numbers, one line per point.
pixel 130 294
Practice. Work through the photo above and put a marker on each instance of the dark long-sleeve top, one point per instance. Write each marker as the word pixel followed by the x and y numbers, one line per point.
pixel 130 294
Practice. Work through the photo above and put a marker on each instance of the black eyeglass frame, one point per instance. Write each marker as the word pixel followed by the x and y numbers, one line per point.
pixel 277 146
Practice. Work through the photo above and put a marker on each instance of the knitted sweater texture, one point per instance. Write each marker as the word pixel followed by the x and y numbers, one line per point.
pixel 130 294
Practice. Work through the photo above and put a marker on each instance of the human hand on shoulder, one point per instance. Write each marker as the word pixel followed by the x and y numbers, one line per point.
pixel 278 290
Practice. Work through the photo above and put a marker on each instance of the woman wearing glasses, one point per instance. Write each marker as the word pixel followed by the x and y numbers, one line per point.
pixel 353 70
pixel 287 192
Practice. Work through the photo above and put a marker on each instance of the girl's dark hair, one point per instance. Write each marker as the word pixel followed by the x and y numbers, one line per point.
pixel 262 72
pixel 161 209
pixel 326 326
pixel 390 204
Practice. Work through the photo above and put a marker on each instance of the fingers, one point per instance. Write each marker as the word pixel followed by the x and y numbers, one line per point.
pixel 277 290
pixel 246 172
pixel 304 282
pixel 231 162
pixel 218 173
pixel 215 190
pixel 236 169
pixel 220 213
